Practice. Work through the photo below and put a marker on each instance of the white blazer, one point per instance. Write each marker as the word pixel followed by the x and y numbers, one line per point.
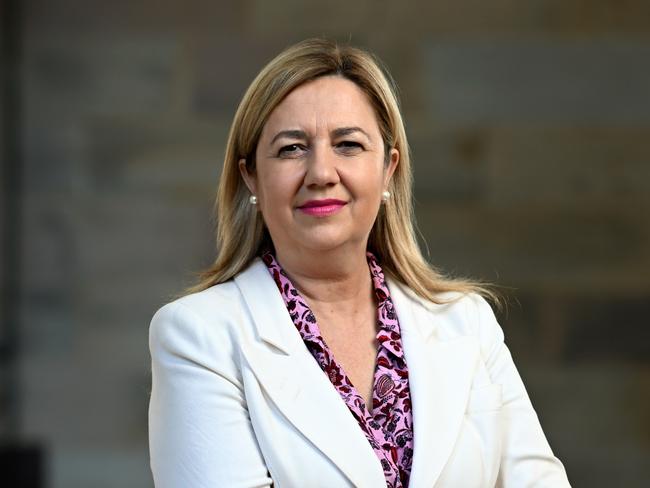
pixel 237 400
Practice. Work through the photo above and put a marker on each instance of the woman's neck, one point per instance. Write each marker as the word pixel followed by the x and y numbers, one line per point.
pixel 331 278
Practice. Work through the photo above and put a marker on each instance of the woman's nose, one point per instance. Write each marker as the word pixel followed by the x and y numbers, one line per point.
pixel 321 167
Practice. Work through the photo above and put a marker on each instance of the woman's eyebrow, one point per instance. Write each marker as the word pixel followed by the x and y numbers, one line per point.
pixel 290 134
pixel 346 131
pixel 301 134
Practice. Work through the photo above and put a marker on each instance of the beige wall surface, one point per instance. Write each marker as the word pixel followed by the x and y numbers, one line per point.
pixel 529 124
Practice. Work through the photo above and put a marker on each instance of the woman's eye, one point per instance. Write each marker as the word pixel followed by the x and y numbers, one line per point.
pixel 290 150
pixel 350 146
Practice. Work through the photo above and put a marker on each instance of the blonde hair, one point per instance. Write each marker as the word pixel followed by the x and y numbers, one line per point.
pixel 241 234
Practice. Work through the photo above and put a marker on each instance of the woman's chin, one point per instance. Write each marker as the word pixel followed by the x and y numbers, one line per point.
pixel 321 239
pixel 327 243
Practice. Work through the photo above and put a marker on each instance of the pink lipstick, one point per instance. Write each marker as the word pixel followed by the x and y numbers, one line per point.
pixel 322 208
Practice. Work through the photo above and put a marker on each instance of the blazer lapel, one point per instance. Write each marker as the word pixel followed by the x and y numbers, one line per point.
pixel 297 385
pixel 440 376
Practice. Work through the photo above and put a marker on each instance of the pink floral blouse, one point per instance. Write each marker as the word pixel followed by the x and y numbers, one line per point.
pixel 388 425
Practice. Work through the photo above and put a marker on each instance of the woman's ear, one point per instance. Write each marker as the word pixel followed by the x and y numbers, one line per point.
pixel 249 178
pixel 393 161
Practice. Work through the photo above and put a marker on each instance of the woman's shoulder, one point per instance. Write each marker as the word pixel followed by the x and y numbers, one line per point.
pixel 449 303
pixel 219 312
pixel 216 300
pixel 455 315
pixel 197 320
pixel 471 311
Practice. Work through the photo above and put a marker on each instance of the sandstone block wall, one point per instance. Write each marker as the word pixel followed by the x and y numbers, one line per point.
pixel 530 130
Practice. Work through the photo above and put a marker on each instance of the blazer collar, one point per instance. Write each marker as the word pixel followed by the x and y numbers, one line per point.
pixel 270 316
pixel 440 375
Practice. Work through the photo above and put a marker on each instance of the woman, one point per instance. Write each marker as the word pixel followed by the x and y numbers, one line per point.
pixel 320 349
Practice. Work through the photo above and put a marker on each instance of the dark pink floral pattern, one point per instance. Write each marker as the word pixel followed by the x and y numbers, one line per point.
pixel 388 425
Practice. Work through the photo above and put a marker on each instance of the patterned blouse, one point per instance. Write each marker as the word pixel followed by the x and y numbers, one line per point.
pixel 388 426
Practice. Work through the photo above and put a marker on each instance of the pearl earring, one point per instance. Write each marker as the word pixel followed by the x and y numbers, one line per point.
pixel 385 196
pixel 253 200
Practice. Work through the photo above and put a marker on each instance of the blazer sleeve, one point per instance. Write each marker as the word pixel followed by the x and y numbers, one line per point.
pixel 527 459
pixel 200 433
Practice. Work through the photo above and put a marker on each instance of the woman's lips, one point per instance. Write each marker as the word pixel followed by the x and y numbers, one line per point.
pixel 322 208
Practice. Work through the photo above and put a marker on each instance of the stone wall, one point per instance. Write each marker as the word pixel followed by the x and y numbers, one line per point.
pixel 530 129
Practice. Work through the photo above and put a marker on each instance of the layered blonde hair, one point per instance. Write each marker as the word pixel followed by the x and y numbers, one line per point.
pixel 241 233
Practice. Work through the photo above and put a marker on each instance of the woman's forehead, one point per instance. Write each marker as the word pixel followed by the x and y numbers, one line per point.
pixel 324 104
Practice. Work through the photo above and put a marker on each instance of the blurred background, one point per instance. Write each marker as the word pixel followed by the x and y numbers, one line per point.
pixel 529 123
